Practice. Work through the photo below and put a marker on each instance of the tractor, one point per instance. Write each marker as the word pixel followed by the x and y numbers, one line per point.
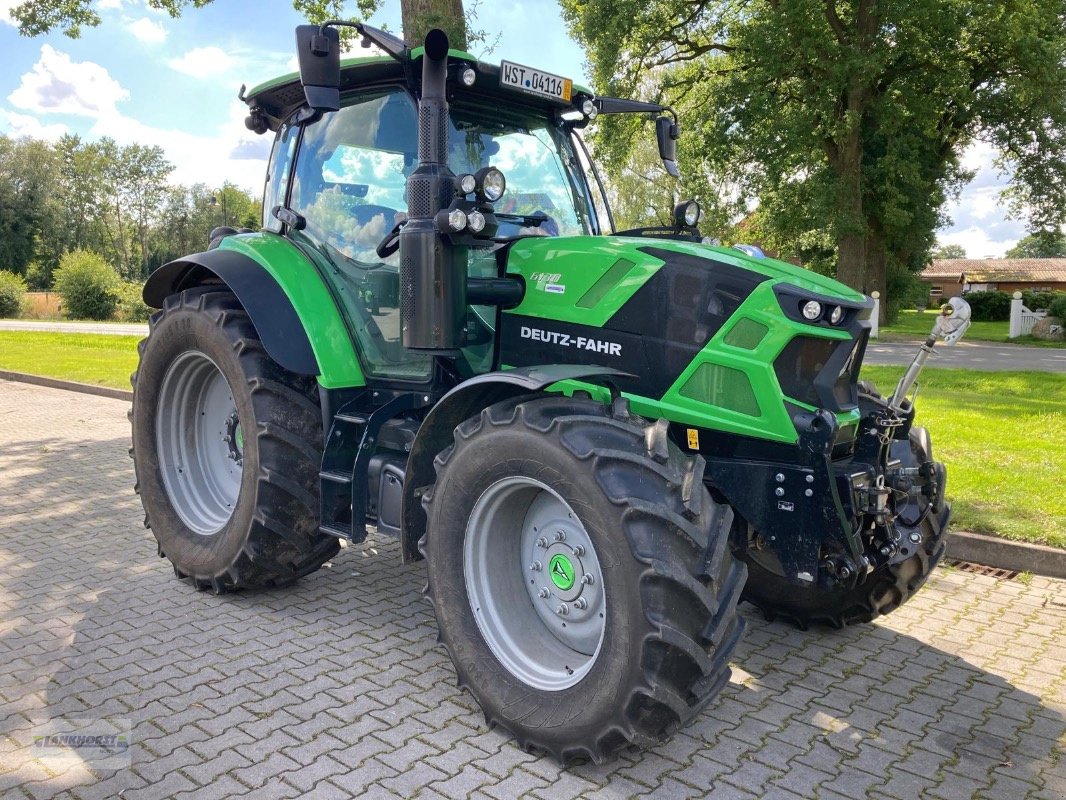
pixel 600 441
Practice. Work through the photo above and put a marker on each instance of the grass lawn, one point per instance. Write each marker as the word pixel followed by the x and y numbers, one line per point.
pixel 85 357
pixel 1001 434
pixel 1003 438
pixel 913 325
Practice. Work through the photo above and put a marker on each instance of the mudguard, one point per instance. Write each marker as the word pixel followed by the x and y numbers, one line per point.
pixel 268 306
pixel 462 402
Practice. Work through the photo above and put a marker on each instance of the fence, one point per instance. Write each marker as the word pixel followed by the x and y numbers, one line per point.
pixel 42 305
pixel 1022 319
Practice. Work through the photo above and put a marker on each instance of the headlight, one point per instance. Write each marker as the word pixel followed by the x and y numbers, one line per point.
pixel 468 76
pixel 476 220
pixel 456 219
pixel 588 108
pixel 812 310
pixel 836 315
pixel 687 213
pixel 492 183
pixel 467 183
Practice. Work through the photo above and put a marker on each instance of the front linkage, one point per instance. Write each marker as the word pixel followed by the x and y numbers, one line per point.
pixel 842 537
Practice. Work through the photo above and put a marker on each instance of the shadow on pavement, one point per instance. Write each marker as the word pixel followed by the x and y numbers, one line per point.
pixel 343 670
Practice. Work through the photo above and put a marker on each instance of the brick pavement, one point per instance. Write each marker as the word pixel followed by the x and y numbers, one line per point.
pixel 336 687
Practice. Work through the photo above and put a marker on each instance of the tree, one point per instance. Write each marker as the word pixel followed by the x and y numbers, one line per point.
pixel 948 251
pixel 1040 244
pixel 27 173
pixel 846 116
pixel 37 17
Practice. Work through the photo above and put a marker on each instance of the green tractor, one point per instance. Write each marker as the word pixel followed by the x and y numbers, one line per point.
pixel 599 441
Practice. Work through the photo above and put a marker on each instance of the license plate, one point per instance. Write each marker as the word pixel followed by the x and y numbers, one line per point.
pixel 535 81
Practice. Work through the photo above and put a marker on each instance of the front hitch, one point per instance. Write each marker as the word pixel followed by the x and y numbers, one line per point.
pixel 951 324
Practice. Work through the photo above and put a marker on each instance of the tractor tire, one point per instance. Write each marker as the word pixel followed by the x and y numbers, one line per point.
pixel 226 448
pixel 885 589
pixel 581 575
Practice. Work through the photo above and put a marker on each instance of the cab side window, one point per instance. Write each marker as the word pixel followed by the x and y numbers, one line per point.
pixel 278 176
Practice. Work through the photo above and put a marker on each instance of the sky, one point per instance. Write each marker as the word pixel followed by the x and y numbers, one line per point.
pixel 146 78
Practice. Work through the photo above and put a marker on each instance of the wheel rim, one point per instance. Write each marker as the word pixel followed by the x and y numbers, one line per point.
pixel 534 583
pixel 200 443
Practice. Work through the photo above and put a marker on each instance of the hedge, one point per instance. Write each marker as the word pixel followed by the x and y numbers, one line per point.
pixel 12 293
pixel 89 286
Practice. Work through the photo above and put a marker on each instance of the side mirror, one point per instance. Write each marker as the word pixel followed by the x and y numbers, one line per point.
pixel 319 52
pixel 666 133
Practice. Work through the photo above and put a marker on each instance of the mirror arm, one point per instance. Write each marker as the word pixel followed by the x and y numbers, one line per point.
pixel 394 46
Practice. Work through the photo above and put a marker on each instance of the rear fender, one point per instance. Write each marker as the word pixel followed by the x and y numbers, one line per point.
pixel 292 310
pixel 462 402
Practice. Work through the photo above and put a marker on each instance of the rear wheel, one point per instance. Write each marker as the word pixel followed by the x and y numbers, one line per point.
pixel 580 575
pixel 226 447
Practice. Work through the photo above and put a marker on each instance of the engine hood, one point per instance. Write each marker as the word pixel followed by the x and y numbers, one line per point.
pixel 547 251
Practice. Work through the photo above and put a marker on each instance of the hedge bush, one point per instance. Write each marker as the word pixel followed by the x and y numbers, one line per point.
pixel 1058 307
pixel 12 293
pixel 89 286
pixel 1036 301
pixel 989 306
pixel 131 308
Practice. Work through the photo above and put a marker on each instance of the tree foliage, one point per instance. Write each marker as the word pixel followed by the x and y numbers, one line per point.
pixel 844 117
pixel 111 199
pixel 37 17
pixel 948 251
pixel 1040 244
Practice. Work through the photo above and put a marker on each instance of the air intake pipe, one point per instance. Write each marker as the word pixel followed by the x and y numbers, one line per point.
pixel 432 270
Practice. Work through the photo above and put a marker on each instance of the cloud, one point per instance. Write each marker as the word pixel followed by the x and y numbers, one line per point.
pixel 257 148
pixel 23 125
pixel 204 157
pixel 59 85
pixel 978 215
pixel 203 62
pixel 56 84
pixel 147 31
pixel 981 243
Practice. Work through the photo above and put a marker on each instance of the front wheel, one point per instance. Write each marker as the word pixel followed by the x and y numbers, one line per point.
pixel 580 575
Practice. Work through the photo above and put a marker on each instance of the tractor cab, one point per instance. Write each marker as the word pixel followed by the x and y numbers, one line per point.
pixel 341 181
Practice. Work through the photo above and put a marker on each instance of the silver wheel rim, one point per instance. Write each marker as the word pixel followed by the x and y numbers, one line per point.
pixel 534 583
pixel 199 442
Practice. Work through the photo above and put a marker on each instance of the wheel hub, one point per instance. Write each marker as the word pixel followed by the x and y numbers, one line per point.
pixel 522 533
pixel 561 571
pixel 199 442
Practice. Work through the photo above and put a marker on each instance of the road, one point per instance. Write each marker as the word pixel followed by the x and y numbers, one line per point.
pixel 336 687
pixel 971 355
pixel 112 328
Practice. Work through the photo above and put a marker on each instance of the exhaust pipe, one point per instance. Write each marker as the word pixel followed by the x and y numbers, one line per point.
pixel 432 271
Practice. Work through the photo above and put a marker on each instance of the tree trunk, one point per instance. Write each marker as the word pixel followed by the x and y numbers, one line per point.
pixel 420 16
pixel 852 236
pixel 877 272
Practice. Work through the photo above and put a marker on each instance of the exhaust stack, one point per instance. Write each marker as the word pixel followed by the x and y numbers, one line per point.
pixel 432 271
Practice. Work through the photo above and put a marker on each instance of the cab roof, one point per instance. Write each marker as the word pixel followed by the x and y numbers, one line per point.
pixel 279 97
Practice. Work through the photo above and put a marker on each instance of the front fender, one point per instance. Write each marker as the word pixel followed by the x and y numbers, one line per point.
pixel 288 302
pixel 462 402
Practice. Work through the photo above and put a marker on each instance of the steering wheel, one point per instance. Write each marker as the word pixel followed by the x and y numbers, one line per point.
pixel 391 243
